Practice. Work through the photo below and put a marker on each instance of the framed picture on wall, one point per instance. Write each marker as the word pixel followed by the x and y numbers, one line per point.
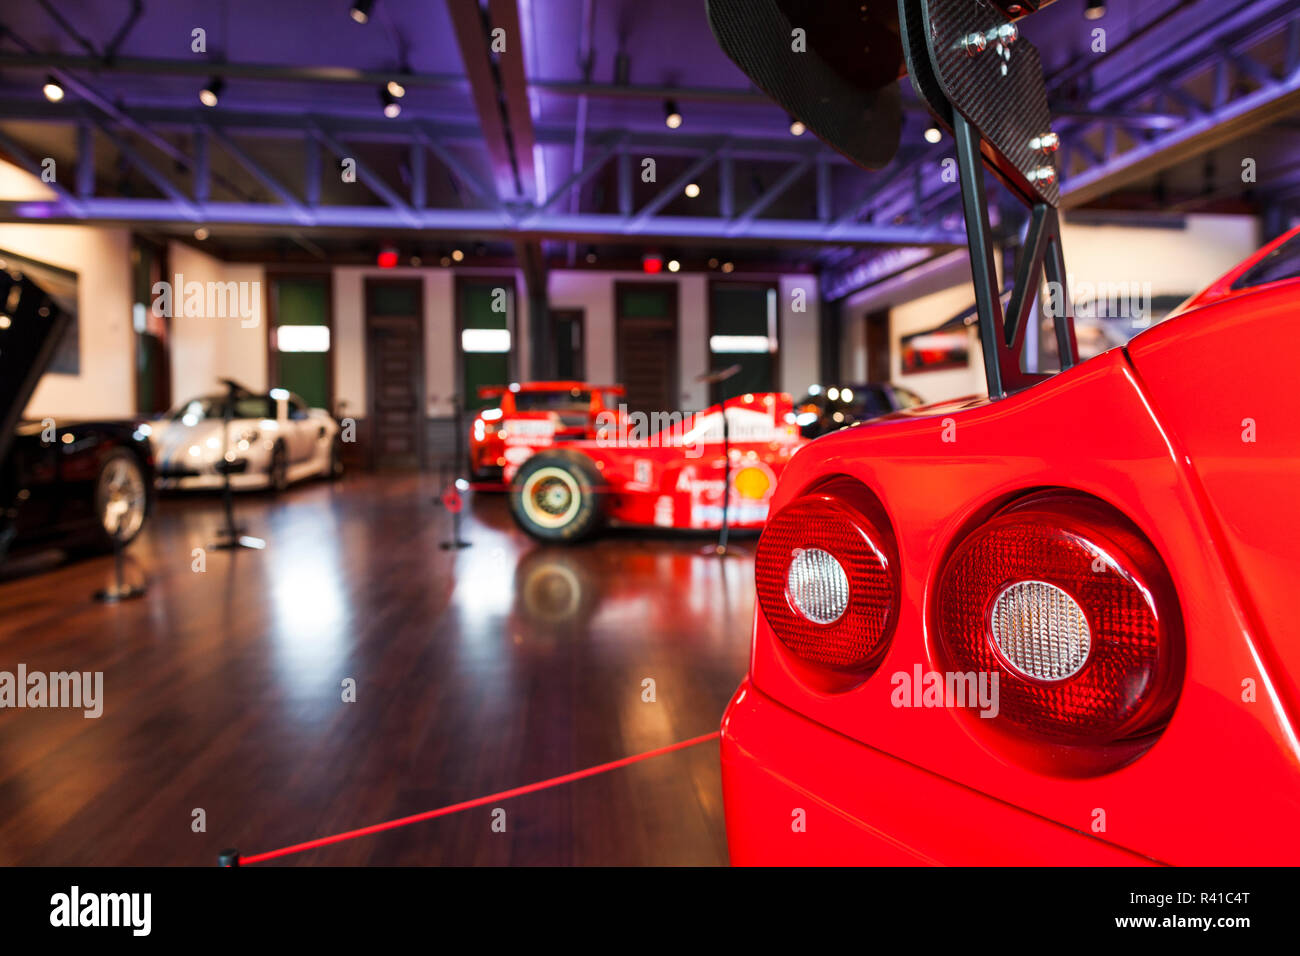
pixel 60 287
pixel 936 350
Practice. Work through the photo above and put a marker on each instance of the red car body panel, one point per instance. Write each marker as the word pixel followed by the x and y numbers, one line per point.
pixel 1155 430
pixel 487 447
pixel 667 480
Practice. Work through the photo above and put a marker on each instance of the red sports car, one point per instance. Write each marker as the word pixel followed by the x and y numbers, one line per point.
pixel 1052 626
pixel 667 470
pixel 571 407
pixel 986 637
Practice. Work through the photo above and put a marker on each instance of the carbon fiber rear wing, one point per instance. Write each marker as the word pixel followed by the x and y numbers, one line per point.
pixel 981 80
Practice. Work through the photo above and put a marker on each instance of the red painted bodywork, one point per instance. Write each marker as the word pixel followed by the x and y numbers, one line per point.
pixel 1160 430
pixel 673 477
pixel 487 448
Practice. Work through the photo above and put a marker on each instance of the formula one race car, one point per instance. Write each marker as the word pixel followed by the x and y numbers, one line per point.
pixel 571 407
pixel 1024 628
pixel 667 470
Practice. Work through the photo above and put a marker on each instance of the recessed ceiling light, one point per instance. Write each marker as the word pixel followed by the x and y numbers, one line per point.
pixel 933 134
pixel 728 267
pixel 201 233
pixel 796 127
pixel 692 190
pixel 457 254
pixel 672 116
pixel 211 93
pixel 674 265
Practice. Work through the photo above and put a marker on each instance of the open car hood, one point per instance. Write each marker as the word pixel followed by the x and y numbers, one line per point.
pixel 36 323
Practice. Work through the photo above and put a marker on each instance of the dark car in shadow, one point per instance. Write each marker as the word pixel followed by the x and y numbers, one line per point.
pixel 830 408
pixel 63 484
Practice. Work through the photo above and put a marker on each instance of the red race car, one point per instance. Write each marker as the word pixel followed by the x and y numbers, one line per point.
pixel 1051 626
pixel 571 407
pixel 666 470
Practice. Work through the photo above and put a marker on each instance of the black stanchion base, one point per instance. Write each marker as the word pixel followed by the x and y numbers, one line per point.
pixel 228 858
pixel 117 594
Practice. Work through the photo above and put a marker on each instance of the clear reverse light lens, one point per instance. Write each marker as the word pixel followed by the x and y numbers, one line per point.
pixel 817 585
pixel 1040 630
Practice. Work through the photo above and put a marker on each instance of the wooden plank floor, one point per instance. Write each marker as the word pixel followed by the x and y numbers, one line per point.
pixel 476 671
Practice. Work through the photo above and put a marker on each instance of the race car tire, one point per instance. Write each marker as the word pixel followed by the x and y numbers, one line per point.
pixel 557 496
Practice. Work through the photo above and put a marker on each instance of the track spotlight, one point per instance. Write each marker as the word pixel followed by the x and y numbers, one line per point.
pixel 796 127
pixel 672 116
pixel 457 255
pixel 397 89
pixel 932 134
pixel 392 108
pixel 591 255
pixel 211 91
pixel 360 11
pixel 1095 10
pixel 674 265
pixel 692 190
pixel 52 89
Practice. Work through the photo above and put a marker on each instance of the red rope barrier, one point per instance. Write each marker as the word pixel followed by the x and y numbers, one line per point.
pixel 477 802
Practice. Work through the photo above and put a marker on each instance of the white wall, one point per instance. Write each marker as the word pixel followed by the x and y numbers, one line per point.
pixel 208 348
pixel 105 385
pixel 1173 261
pixel 800 334
pixel 349 344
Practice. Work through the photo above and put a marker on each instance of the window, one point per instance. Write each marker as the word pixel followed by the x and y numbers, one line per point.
pixel 299 356
pixel 485 310
pixel 743 332
pixel 1282 263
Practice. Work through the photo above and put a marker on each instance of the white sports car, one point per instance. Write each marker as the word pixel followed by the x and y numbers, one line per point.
pixel 273 439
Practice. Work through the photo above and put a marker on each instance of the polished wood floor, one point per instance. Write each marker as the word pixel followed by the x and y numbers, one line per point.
pixel 476 671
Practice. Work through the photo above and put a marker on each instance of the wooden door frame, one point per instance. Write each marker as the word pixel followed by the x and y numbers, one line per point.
pixel 272 352
pixel 675 389
pixel 581 314
pixel 752 282
pixel 163 250
pixel 368 284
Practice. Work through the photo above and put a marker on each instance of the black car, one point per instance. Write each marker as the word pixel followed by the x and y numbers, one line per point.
pixel 829 409
pixel 69 485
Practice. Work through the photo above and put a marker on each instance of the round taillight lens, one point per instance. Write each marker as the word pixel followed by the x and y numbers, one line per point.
pixel 1066 600
pixel 1040 630
pixel 827 584
pixel 817 585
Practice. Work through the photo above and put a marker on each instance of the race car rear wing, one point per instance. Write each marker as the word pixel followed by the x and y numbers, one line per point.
pixel 833 65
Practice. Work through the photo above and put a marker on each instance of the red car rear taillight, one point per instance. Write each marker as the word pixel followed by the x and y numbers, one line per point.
pixel 827 580
pixel 1069 603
